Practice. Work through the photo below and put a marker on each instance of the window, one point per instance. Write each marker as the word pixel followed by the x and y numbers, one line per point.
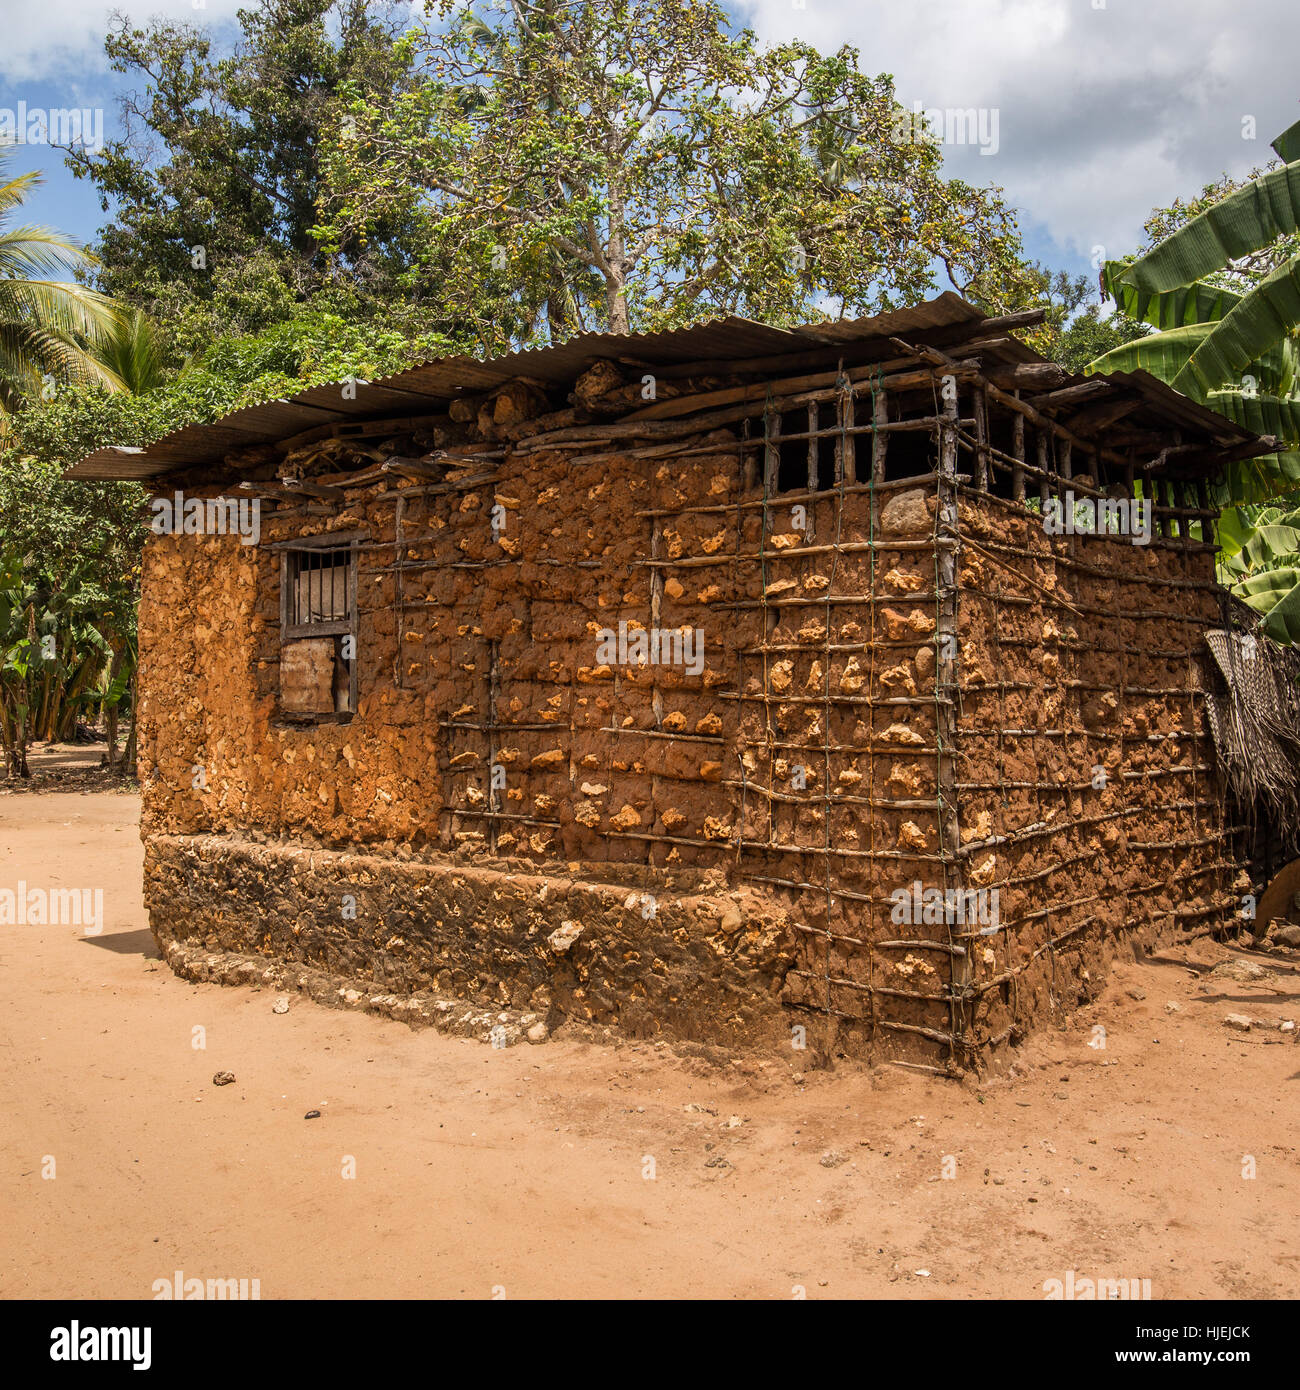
pixel 318 628
pixel 803 448
pixel 320 583
pixel 792 454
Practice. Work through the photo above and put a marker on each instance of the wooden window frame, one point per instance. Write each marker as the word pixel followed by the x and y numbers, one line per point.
pixel 289 550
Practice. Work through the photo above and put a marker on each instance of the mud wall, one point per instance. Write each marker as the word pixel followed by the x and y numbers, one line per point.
pixel 1089 793
pixel 749 815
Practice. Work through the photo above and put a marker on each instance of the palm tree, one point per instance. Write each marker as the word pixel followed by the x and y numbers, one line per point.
pixel 1225 290
pixel 130 353
pixel 49 327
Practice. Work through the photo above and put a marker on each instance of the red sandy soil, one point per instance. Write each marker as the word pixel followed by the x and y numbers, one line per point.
pixel 518 1172
pixel 64 767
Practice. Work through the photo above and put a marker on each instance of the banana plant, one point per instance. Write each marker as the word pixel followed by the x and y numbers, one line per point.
pixel 1259 560
pixel 1234 350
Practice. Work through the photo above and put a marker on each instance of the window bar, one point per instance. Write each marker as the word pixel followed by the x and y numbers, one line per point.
pixel 814 441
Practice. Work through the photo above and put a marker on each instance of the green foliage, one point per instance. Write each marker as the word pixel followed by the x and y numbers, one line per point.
pixel 639 164
pixel 1074 332
pixel 58 660
pixel 132 351
pixel 1220 279
pixel 1162 354
pixel 1089 336
pixel 1060 293
pixel 1259 560
pixel 69 570
pixel 214 183
pixel 1178 308
pixel 47 326
pixel 56 525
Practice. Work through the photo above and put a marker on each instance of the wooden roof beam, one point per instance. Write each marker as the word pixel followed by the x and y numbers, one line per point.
pixel 1003 397
pixel 1025 376
pixel 292 487
pixel 1105 414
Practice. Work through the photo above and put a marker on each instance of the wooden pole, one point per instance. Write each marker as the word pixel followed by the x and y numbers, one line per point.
pixel 947 528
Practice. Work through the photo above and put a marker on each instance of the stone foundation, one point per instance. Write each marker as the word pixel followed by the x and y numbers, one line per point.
pixel 653 961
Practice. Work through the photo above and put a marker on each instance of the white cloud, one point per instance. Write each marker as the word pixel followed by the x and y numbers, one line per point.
pixel 48 40
pixel 1104 113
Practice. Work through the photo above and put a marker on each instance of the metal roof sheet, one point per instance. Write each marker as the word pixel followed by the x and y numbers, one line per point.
pixel 427 388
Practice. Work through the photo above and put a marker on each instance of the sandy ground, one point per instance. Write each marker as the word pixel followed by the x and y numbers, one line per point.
pixel 522 1172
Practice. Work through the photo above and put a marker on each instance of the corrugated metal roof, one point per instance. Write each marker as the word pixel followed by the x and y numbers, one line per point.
pixel 1181 411
pixel 427 389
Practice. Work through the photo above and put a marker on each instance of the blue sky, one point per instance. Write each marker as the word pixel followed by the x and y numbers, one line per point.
pixel 61 201
pixel 1102 109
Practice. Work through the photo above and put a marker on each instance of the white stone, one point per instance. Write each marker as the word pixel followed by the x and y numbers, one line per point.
pixel 563 937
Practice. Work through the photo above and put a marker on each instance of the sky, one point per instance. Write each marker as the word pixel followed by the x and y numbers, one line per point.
pixel 1088 113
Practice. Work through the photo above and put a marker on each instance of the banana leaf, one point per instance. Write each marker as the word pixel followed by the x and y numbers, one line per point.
pixel 1287 145
pixel 1164 355
pixel 1196 303
pixel 117 687
pixel 1267 316
pixel 1283 621
pixel 1243 222
pixel 1263 592
pixel 1261 413
pixel 1251 481
pixel 1270 547
pixel 1233 532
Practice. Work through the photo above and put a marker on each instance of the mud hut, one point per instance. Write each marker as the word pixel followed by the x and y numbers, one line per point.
pixel 728 683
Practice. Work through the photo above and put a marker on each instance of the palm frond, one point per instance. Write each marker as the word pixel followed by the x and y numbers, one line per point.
pixel 41 251
pixel 60 306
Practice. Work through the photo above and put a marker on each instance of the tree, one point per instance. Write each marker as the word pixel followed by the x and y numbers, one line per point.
pixel 1088 336
pixel 47 325
pixel 1221 280
pixel 1074 331
pixel 637 164
pixel 214 182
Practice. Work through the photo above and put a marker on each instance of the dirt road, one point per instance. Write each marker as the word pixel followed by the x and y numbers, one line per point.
pixel 573 1169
